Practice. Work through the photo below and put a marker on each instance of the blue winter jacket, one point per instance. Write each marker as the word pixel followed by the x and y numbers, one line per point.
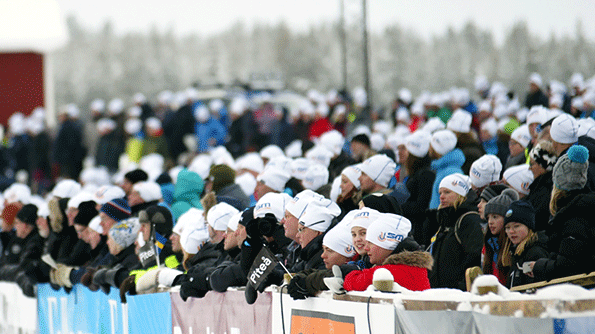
pixel 212 129
pixel 449 163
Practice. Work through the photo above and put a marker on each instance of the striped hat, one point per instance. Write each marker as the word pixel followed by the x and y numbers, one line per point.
pixel 117 209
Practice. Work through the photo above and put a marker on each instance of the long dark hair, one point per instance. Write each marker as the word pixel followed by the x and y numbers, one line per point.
pixel 489 253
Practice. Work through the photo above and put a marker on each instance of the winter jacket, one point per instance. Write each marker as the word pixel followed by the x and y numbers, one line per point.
pixel 235 191
pixel 534 250
pixel 537 98
pixel 318 127
pixel 448 164
pixel 228 273
pixel 515 161
pixel 100 256
pixel 540 192
pixel 409 269
pixel 195 283
pixel 419 186
pixel 310 256
pixel 491 146
pixel 156 144
pixel 176 126
pixel 209 134
pixel 490 266
pixel 187 194
pixel 19 255
pixel 571 234
pixel 68 149
pixel 241 134
pixel 117 270
pixel 454 249
pixel 109 148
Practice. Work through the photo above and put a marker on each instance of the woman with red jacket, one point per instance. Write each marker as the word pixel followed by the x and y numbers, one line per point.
pixel 409 269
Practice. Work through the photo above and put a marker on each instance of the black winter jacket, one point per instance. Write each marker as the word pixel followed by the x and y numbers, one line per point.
pixel 533 251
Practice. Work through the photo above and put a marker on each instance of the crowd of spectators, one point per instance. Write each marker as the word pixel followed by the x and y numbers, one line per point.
pixel 192 193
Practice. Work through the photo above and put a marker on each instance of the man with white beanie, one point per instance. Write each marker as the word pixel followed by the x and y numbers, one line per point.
pixel 518 145
pixel 376 173
pixel 270 180
pixel 447 159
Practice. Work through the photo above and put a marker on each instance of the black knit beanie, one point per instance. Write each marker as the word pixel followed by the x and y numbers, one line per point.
pixel 28 214
pixel 492 191
pixel 382 203
pixel 136 175
pixel 221 176
pixel 521 212
pixel 86 212
pixel 361 138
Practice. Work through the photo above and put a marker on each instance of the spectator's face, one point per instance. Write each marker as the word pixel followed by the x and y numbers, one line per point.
pixel 346 186
pixel 290 225
pixel 126 186
pixel 145 229
pixel 358 236
pixel 447 197
pixel 331 258
pixel 495 223
pixel 113 247
pixel 230 240
pixel 536 168
pixel 357 149
pixel 533 130
pixel 42 226
pixel 515 148
pixel 480 208
pixel 261 189
pixel 403 154
pixel 516 232
pixel 106 222
pixel 22 229
pixel 305 235
pixel 376 253
pixel 134 198
pixel 81 232
pixel 366 183
pixel 70 214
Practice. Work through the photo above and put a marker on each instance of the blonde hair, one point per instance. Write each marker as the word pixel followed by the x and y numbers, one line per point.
pixel 557 194
pixel 507 254
pixel 208 201
pixel 460 199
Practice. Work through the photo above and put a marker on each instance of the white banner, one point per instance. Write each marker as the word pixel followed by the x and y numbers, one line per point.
pixel 18 313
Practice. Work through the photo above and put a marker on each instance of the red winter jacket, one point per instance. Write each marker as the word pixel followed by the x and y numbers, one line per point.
pixel 410 270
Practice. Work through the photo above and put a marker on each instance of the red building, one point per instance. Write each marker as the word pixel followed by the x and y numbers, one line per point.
pixel 30 30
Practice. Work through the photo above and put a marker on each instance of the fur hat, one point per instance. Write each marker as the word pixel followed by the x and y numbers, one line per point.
pixel 499 204
pixel 570 172
pixel 28 214
pixel 520 212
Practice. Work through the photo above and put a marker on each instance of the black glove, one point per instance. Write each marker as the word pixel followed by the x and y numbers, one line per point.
pixel 250 294
pixel 297 287
pixel 252 230
pixel 26 284
pixel 267 224
pixel 99 279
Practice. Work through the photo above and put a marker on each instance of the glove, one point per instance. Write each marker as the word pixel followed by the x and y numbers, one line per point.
pixel 335 283
pixel 87 279
pixel 62 275
pixel 129 286
pixel 297 287
pixel 250 294
pixel 196 286
pixel 99 279
pixel 26 284
pixel 252 230
pixel 147 281
pixel 166 276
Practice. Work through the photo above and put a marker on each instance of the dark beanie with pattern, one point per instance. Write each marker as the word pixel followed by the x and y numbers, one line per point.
pixel 117 209
pixel 492 191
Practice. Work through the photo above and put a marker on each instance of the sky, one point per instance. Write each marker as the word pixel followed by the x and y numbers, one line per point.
pixel 427 17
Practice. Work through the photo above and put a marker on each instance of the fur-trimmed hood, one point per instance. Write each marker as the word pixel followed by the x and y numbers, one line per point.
pixel 419 259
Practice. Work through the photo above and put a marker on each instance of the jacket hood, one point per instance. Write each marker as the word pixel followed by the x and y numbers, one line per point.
pixel 189 186
pixel 419 259
pixel 454 158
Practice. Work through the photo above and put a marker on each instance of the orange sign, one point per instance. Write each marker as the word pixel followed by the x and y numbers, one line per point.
pixel 311 322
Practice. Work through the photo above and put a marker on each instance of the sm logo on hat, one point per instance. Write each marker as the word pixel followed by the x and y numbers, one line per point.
pixel 349 249
pixel 475 172
pixel 389 236
pixel 263 206
pixel 459 183
pixel 362 215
